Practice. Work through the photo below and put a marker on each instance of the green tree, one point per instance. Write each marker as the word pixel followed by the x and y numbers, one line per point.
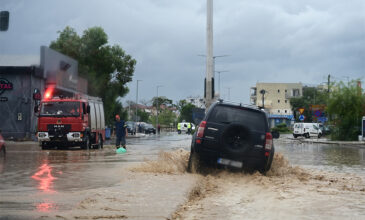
pixel 162 100
pixel 186 111
pixel 143 116
pixel 104 66
pixel 165 118
pixel 346 106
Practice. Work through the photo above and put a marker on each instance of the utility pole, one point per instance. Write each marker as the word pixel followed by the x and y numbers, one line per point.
pixel 157 105
pixel 209 87
pixel 136 118
pixel 328 83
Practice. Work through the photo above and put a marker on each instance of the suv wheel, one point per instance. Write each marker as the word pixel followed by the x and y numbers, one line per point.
pixel 194 162
pixel 236 139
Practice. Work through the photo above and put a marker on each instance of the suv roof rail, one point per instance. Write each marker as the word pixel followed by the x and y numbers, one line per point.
pixel 239 104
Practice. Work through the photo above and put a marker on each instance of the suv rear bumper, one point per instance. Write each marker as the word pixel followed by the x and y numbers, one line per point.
pixel 255 158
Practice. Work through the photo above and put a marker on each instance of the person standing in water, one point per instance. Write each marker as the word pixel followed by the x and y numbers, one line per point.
pixel 120 132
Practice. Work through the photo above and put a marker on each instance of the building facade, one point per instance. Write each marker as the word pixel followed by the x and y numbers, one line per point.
pixel 22 88
pixel 275 99
pixel 197 101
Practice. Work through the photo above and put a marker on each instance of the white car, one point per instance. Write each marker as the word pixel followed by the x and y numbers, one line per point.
pixel 184 127
pixel 307 130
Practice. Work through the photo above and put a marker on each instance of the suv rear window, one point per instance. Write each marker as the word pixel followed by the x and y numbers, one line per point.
pixel 225 114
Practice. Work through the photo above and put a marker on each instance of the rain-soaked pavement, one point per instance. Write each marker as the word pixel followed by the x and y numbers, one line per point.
pixel 37 184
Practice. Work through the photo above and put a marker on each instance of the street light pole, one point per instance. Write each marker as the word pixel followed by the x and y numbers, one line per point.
pixel 157 105
pixel 136 118
pixel 219 79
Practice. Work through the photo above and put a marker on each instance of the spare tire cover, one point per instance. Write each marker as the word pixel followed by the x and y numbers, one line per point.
pixel 236 139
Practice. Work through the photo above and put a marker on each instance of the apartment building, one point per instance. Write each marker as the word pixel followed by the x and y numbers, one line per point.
pixel 275 98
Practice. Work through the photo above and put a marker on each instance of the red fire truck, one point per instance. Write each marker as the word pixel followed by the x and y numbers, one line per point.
pixel 67 122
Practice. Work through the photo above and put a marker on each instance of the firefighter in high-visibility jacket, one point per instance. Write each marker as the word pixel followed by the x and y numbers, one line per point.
pixel 179 128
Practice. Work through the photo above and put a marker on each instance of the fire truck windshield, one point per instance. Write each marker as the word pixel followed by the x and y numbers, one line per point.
pixel 60 109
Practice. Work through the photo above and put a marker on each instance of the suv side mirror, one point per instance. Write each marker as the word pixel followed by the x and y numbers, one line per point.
pixel 275 134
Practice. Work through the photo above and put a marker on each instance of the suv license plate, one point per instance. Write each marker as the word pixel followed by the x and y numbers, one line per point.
pixel 228 162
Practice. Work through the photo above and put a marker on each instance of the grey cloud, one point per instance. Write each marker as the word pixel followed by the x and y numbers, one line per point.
pixel 268 40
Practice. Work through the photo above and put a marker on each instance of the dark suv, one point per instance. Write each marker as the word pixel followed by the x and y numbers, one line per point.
pixel 233 135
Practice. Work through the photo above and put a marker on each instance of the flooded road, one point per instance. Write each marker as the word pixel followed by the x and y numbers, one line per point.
pixel 336 158
pixel 74 183
pixel 306 181
pixel 36 180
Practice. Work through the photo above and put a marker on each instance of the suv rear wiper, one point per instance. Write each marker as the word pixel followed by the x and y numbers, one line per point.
pixel 225 122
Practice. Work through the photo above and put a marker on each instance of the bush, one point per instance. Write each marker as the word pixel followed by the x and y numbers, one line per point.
pixel 281 128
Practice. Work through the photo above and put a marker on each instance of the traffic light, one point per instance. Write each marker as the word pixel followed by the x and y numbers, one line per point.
pixel 4 20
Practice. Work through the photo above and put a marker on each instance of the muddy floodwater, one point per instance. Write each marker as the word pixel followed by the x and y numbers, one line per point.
pixel 149 182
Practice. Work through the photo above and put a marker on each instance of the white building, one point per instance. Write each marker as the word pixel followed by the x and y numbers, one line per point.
pixel 197 101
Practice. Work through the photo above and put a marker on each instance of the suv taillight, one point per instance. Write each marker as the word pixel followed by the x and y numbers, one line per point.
pixel 201 129
pixel 268 141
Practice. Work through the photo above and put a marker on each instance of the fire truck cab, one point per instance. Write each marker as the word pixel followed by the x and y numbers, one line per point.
pixel 68 122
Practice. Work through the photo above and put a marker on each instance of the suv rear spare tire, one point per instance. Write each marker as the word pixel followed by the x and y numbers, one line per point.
pixel 236 139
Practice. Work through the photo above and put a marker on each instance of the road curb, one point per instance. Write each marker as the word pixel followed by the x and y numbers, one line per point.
pixel 360 144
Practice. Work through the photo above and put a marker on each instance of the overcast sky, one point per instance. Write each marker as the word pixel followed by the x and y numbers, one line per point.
pixel 267 40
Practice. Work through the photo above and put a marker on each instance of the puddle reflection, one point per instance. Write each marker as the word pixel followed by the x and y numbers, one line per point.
pixel 45 206
pixel 45 178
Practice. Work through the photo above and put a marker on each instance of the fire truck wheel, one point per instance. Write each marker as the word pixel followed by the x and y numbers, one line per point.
pixel 44 146
pixel 100 142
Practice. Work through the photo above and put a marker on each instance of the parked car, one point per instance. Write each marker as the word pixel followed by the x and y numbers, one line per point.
pixel 140 126
pixel 2 146
pixel 235 136
pixel 326 129
pixel 148 129
pixel 307 130
pixel 131 127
